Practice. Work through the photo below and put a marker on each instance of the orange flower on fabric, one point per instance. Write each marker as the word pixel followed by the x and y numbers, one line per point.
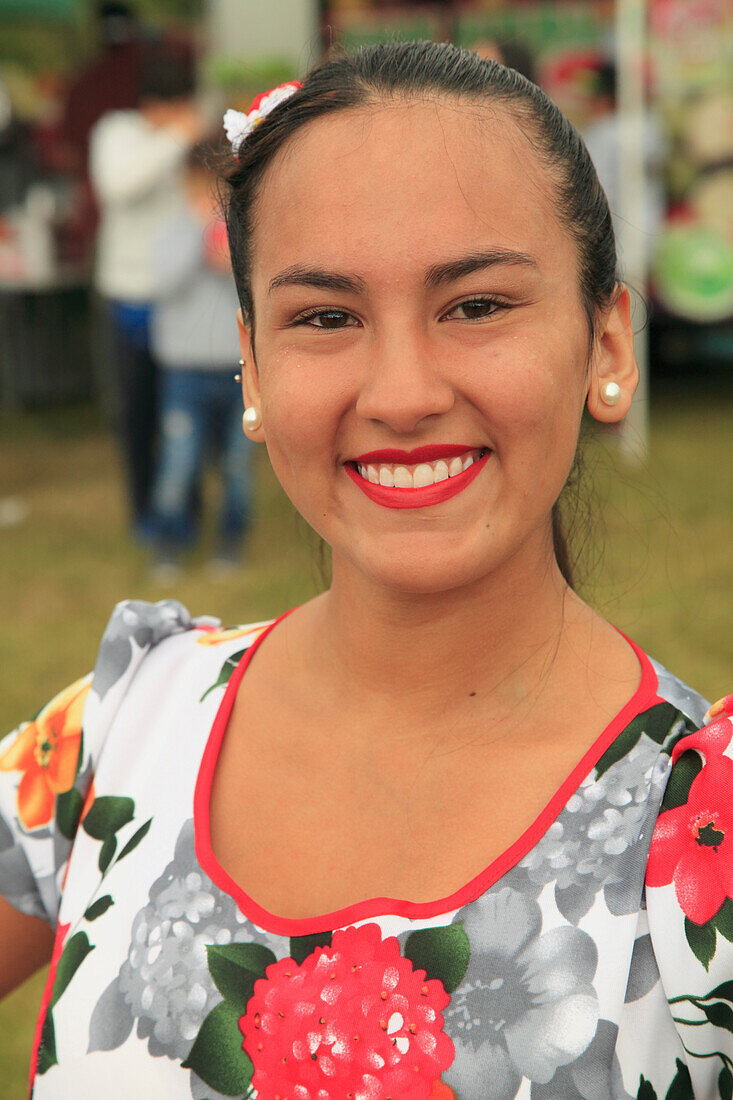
pixel 46 751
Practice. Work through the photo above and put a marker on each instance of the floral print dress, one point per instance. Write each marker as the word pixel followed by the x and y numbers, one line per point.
pixel 593 960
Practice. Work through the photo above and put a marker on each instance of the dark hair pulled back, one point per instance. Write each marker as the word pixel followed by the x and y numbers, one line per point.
pixel 429 69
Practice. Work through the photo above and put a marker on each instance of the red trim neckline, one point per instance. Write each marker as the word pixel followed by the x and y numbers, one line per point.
pixel 644 697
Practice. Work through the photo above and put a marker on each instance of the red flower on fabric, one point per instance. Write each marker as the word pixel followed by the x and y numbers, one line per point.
pixel 353 1020
pixel 692 844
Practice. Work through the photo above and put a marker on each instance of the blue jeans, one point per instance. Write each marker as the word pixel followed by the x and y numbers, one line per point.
pixel 199 408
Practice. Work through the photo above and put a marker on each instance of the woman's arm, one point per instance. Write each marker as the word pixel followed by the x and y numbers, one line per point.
pixel 26 944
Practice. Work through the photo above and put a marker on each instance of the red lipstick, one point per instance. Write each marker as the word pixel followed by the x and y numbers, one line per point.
pixel 417 498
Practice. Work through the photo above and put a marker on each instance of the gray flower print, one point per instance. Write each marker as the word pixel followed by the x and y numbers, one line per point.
pixel 165 984
pixel 601 838
pixel 680 695
pixel 596 1075
pixel 135 620
pixel 30 892
pixel 526 1005
pixel 643 972
pixel 19 883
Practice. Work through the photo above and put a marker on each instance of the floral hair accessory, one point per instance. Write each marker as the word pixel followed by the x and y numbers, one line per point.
pixel 239 125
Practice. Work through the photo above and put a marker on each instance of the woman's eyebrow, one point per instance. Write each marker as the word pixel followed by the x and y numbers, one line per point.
pixel 318 277
pixel 475 261
pixel 438 273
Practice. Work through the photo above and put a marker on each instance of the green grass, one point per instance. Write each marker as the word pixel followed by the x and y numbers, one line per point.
pixel 658 564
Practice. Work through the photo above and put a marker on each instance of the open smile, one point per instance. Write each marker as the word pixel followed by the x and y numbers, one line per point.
pixel 419 478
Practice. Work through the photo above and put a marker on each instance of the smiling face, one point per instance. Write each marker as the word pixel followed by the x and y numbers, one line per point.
pixel 421 346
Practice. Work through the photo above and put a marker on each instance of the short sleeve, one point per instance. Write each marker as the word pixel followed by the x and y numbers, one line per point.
pixel 689 891
pixel 47 764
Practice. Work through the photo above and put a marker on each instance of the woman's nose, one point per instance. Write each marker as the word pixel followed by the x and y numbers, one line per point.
pixel 404 386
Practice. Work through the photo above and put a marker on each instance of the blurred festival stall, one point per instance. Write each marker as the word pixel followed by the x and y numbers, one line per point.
pixel 676 57
pixel 63 63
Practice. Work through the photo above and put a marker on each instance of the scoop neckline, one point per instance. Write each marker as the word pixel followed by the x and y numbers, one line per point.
pixel 645 696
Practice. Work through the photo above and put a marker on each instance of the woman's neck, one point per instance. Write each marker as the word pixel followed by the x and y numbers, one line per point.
pixel 419 658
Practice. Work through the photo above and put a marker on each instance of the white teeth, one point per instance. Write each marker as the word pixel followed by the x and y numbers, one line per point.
pixel 423 476
pixel 419 476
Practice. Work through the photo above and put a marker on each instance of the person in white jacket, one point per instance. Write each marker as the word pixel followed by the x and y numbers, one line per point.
pixel 136 161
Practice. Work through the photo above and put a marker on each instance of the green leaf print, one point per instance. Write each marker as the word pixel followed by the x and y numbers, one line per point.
pixel 224 673
pixel 725 1084
pixel 657 723
pixel 724 992
pixel 73 955
pixel 688 766
pixel 47 1049
pixel 719 1013
pixel 723 920
pixel 217 1055
pixel 101 905
pixel 107 852
pixel 108 814
pixel 646 1090
pixel 235 968
pixel 442 953
pixel 303 946
pixel 68 811
pixel 701 938
pixel 681 1087
pixel 135 839
pixel 619 748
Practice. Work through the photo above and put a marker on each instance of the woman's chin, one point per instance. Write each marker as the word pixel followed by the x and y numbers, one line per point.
pixel 417 571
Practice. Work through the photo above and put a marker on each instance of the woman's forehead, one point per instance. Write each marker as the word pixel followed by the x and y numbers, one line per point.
pixel 409 177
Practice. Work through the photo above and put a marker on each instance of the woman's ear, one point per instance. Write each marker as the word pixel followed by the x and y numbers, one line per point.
pixel 614 374
pixel 250 376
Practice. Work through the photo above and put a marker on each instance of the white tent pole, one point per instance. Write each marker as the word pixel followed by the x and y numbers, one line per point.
pixel 633 234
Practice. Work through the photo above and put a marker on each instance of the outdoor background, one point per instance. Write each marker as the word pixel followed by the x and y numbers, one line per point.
pixel 654 523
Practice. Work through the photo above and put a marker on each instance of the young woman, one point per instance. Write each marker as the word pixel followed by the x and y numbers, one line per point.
pixel 393 844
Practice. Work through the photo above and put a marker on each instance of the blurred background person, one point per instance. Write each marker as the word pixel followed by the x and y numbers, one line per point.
pixel 110 81
pixel 136 160
pixel 16 160
pixel 195 342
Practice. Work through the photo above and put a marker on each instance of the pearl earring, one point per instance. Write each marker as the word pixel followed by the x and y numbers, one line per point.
pixel 251 419
pixel 610 393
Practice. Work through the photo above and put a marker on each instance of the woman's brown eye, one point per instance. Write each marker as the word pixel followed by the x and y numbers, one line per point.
pixel 332 318
pixel 478 308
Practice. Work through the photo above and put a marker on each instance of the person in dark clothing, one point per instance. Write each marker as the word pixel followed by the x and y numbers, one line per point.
pixel 136 160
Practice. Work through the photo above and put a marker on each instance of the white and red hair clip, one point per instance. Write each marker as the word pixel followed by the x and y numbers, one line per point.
pixel 239 125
